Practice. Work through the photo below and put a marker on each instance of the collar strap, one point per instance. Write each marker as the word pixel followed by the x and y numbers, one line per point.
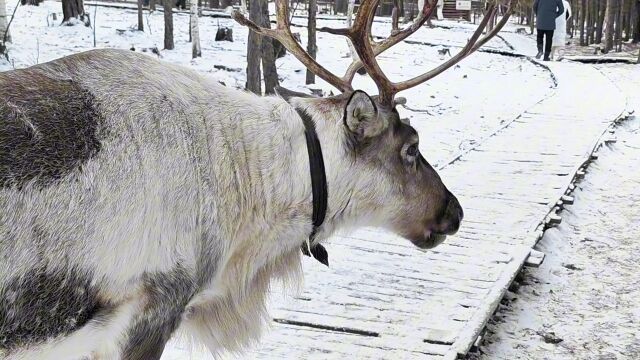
pixel 318 188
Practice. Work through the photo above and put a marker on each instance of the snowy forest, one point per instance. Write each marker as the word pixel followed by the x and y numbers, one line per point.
pixel 605 25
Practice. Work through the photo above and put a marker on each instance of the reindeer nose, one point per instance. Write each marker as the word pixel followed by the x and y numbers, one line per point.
pixel 453 215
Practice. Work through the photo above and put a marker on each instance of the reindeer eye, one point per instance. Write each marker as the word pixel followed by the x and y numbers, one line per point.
pixel 412 150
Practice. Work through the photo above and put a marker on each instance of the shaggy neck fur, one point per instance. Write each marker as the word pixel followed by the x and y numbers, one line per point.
pixel 267 238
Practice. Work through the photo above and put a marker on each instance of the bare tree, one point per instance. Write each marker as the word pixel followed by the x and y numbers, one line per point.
pixel 311 42
pixel 636 21
pixel 610 21
pixel 269 70
pixel 254 55
pixel 195 31
pixel 583 19
pixel 140 19
pixel 340 6
pixel 167 6
pixel 601 11
pixel 4 23
pixel 74 9
pixel 350 9
pixel 395 13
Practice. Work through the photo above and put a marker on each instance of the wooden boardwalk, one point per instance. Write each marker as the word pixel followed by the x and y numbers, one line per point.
pixel 384 299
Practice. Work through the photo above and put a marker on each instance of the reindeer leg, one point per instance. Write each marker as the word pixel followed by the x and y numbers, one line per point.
pixel 167 294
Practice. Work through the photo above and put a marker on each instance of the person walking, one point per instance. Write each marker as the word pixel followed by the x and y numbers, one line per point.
pixel 560 34
pixel 546 13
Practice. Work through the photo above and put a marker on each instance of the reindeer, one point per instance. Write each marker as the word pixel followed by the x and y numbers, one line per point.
pixel 139 199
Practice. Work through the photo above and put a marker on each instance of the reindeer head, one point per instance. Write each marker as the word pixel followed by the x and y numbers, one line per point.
pixel 404 191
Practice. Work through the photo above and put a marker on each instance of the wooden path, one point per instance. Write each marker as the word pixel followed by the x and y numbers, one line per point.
pixel 384 299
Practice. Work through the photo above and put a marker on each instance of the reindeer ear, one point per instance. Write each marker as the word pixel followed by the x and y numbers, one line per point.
pixel 361 116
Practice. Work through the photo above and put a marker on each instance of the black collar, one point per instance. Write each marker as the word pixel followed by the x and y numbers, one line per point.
pixel 318 188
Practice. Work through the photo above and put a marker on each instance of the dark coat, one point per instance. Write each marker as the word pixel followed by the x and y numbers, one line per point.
pixel 546 13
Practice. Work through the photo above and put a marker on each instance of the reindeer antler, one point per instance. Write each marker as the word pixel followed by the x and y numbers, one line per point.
pixel 282 33
pixel 360 36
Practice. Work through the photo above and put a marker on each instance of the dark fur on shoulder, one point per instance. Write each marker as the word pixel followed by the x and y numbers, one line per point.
pixel 45 134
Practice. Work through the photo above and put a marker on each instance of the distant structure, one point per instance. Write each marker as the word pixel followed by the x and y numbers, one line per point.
pixel 462 9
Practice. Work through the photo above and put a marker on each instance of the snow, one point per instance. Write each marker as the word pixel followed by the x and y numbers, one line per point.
pixel 583 302
pixel 527 136
pixel 587 292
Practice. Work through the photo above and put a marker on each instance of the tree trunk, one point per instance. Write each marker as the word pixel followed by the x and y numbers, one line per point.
pixel 583 19
pixel 626 20
pixel 74 9
pixel 225 3
pixel 311 39
pixel 602 8
pixel 618 27
pixel 140 20
pixel 531 22
pixel 350 9
pixel 395 13
pixel 4 24
pixel 195 31
pixel 340 6
pixel 269 70
pixel 636 31
pixel 609 30
pixel 592 15
pixel 253 50
pixel 167 6
pixel 152 5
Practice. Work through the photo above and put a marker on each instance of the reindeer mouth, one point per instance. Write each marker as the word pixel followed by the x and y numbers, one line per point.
pixel 430 240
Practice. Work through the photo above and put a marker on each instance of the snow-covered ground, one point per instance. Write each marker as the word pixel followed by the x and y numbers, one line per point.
pixel 587 292
pixel 584 301
pixel 463 104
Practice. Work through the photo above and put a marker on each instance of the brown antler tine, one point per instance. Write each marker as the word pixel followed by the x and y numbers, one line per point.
pixel 282 33
pixel 427 10
pixel 470 47
pixel 359 36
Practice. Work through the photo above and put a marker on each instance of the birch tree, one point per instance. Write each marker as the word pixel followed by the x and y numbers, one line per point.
pixel 195 32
